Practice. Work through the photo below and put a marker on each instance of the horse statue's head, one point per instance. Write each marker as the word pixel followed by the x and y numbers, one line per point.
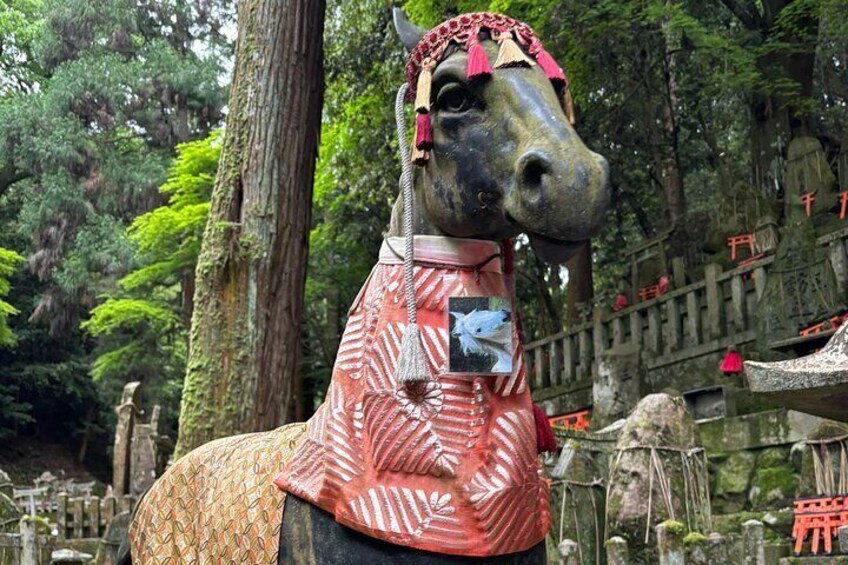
pixel 497 154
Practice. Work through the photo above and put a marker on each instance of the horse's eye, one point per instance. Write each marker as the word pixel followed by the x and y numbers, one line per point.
pixel 455 98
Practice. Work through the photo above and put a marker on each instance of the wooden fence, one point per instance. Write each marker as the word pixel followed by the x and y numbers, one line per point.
pixel 88 517
pixel 697 319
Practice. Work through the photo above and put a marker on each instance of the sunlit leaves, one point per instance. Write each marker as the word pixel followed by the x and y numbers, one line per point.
pixel 8 263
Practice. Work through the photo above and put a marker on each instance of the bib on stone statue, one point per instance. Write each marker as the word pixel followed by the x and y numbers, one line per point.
pixel 448 465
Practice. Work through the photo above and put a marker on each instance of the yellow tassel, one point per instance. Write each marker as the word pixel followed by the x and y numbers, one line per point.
pixel 510 54
pixel 422 89
pixel 568 105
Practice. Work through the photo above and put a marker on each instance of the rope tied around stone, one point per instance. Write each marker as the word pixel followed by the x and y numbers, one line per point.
pixel 823 470
pixel 695 483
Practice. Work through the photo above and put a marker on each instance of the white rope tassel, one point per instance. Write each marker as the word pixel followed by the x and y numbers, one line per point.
pixel 412 361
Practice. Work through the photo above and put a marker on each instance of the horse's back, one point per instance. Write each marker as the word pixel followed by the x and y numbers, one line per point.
pixel 217 504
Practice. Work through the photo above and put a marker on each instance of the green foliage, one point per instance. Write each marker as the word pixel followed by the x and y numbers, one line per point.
pixel 356 173
pixel 8 262
pixel 94 99
pixel 20 27
pixel 168 237
pixel 120 86
pixel 141 326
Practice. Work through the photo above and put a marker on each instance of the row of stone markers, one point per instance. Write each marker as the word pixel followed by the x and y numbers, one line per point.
pixel 675 547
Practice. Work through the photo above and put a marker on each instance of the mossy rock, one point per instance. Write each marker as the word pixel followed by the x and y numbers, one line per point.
pixel 730 525
pixel 10 515
pixel 733 475
pixel 773 485
pixel 580 522
pixel 658 420
pixel 772 457
pixel 827 429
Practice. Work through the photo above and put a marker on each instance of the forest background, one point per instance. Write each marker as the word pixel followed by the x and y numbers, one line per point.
pixel 111 117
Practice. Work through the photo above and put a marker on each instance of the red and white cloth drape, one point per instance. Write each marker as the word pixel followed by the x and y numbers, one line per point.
pixel 448 467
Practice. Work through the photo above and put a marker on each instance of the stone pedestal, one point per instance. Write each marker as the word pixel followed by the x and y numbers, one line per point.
pixel 127 410
pixel 616 389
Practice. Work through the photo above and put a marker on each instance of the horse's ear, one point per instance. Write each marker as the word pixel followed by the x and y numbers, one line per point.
pixel 409 33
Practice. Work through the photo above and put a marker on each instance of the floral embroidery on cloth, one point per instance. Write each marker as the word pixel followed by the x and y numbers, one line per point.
pixel 448 466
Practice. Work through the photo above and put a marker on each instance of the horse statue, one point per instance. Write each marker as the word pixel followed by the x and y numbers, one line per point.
pixel 425 449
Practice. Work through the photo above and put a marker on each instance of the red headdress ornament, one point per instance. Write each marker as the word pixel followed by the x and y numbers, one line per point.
pixel 464 31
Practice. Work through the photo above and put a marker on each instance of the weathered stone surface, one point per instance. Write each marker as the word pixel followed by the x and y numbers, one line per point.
pixel 6 484
pixel 842 535
pixel 617 553
pixel 772 486
pixel 107 551
pixel 123 437
pixel 800 288
pixel 697 547
pixel 751 431
pixel 658 420
pixel 670 543
pixel 616 389
pixel 582 513
pixel 817 383
pixel 717 548
pixel 753 543
pixel 144 454
pixel 805 173
pixel 10 515
pixel 734 473
pixel 569 552
pixel 826 430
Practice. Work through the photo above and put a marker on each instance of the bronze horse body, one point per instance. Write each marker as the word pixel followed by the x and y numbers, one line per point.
pixel 505 161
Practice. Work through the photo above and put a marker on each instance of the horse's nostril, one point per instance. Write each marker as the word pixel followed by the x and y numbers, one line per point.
pixel 534 166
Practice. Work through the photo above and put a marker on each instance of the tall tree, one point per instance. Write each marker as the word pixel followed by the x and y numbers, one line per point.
pixel 783 36
pixel 245 337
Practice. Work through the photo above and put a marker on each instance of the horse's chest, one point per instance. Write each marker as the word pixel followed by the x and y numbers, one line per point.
pixel 310 536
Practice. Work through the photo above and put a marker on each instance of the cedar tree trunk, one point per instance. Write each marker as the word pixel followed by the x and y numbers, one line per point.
pixel 245 334
pixel 580 283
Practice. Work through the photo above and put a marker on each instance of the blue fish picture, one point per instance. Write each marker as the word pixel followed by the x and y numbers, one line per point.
pixel 480 335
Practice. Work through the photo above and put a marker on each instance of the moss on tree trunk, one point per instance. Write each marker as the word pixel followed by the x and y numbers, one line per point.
pixel 245 331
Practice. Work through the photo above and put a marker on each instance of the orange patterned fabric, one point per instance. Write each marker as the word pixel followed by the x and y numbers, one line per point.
pixel 217 504
pixel 451 468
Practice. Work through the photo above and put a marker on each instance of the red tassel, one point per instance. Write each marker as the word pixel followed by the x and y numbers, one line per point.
pixel 478 62
pixel 423 132
pixel 621 303
pixel 545 440
pixel 732 363
pixel 508 256
pixel 552 70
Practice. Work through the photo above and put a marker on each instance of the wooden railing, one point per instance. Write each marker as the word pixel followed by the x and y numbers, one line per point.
pixel 88 517
pixel 699 318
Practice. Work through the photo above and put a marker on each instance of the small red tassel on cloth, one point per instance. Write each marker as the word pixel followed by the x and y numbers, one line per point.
pixel 732 363
pixel 547 63
pixel 478 62
pixel 545 440
pixel 423 132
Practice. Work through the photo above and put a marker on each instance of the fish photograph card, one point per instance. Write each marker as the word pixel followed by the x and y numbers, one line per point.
pixel 480 330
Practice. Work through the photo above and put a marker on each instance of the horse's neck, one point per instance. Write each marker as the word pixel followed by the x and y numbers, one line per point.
pixel 422 224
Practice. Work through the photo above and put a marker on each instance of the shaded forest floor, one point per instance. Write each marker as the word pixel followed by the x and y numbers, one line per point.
pixel 27 458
